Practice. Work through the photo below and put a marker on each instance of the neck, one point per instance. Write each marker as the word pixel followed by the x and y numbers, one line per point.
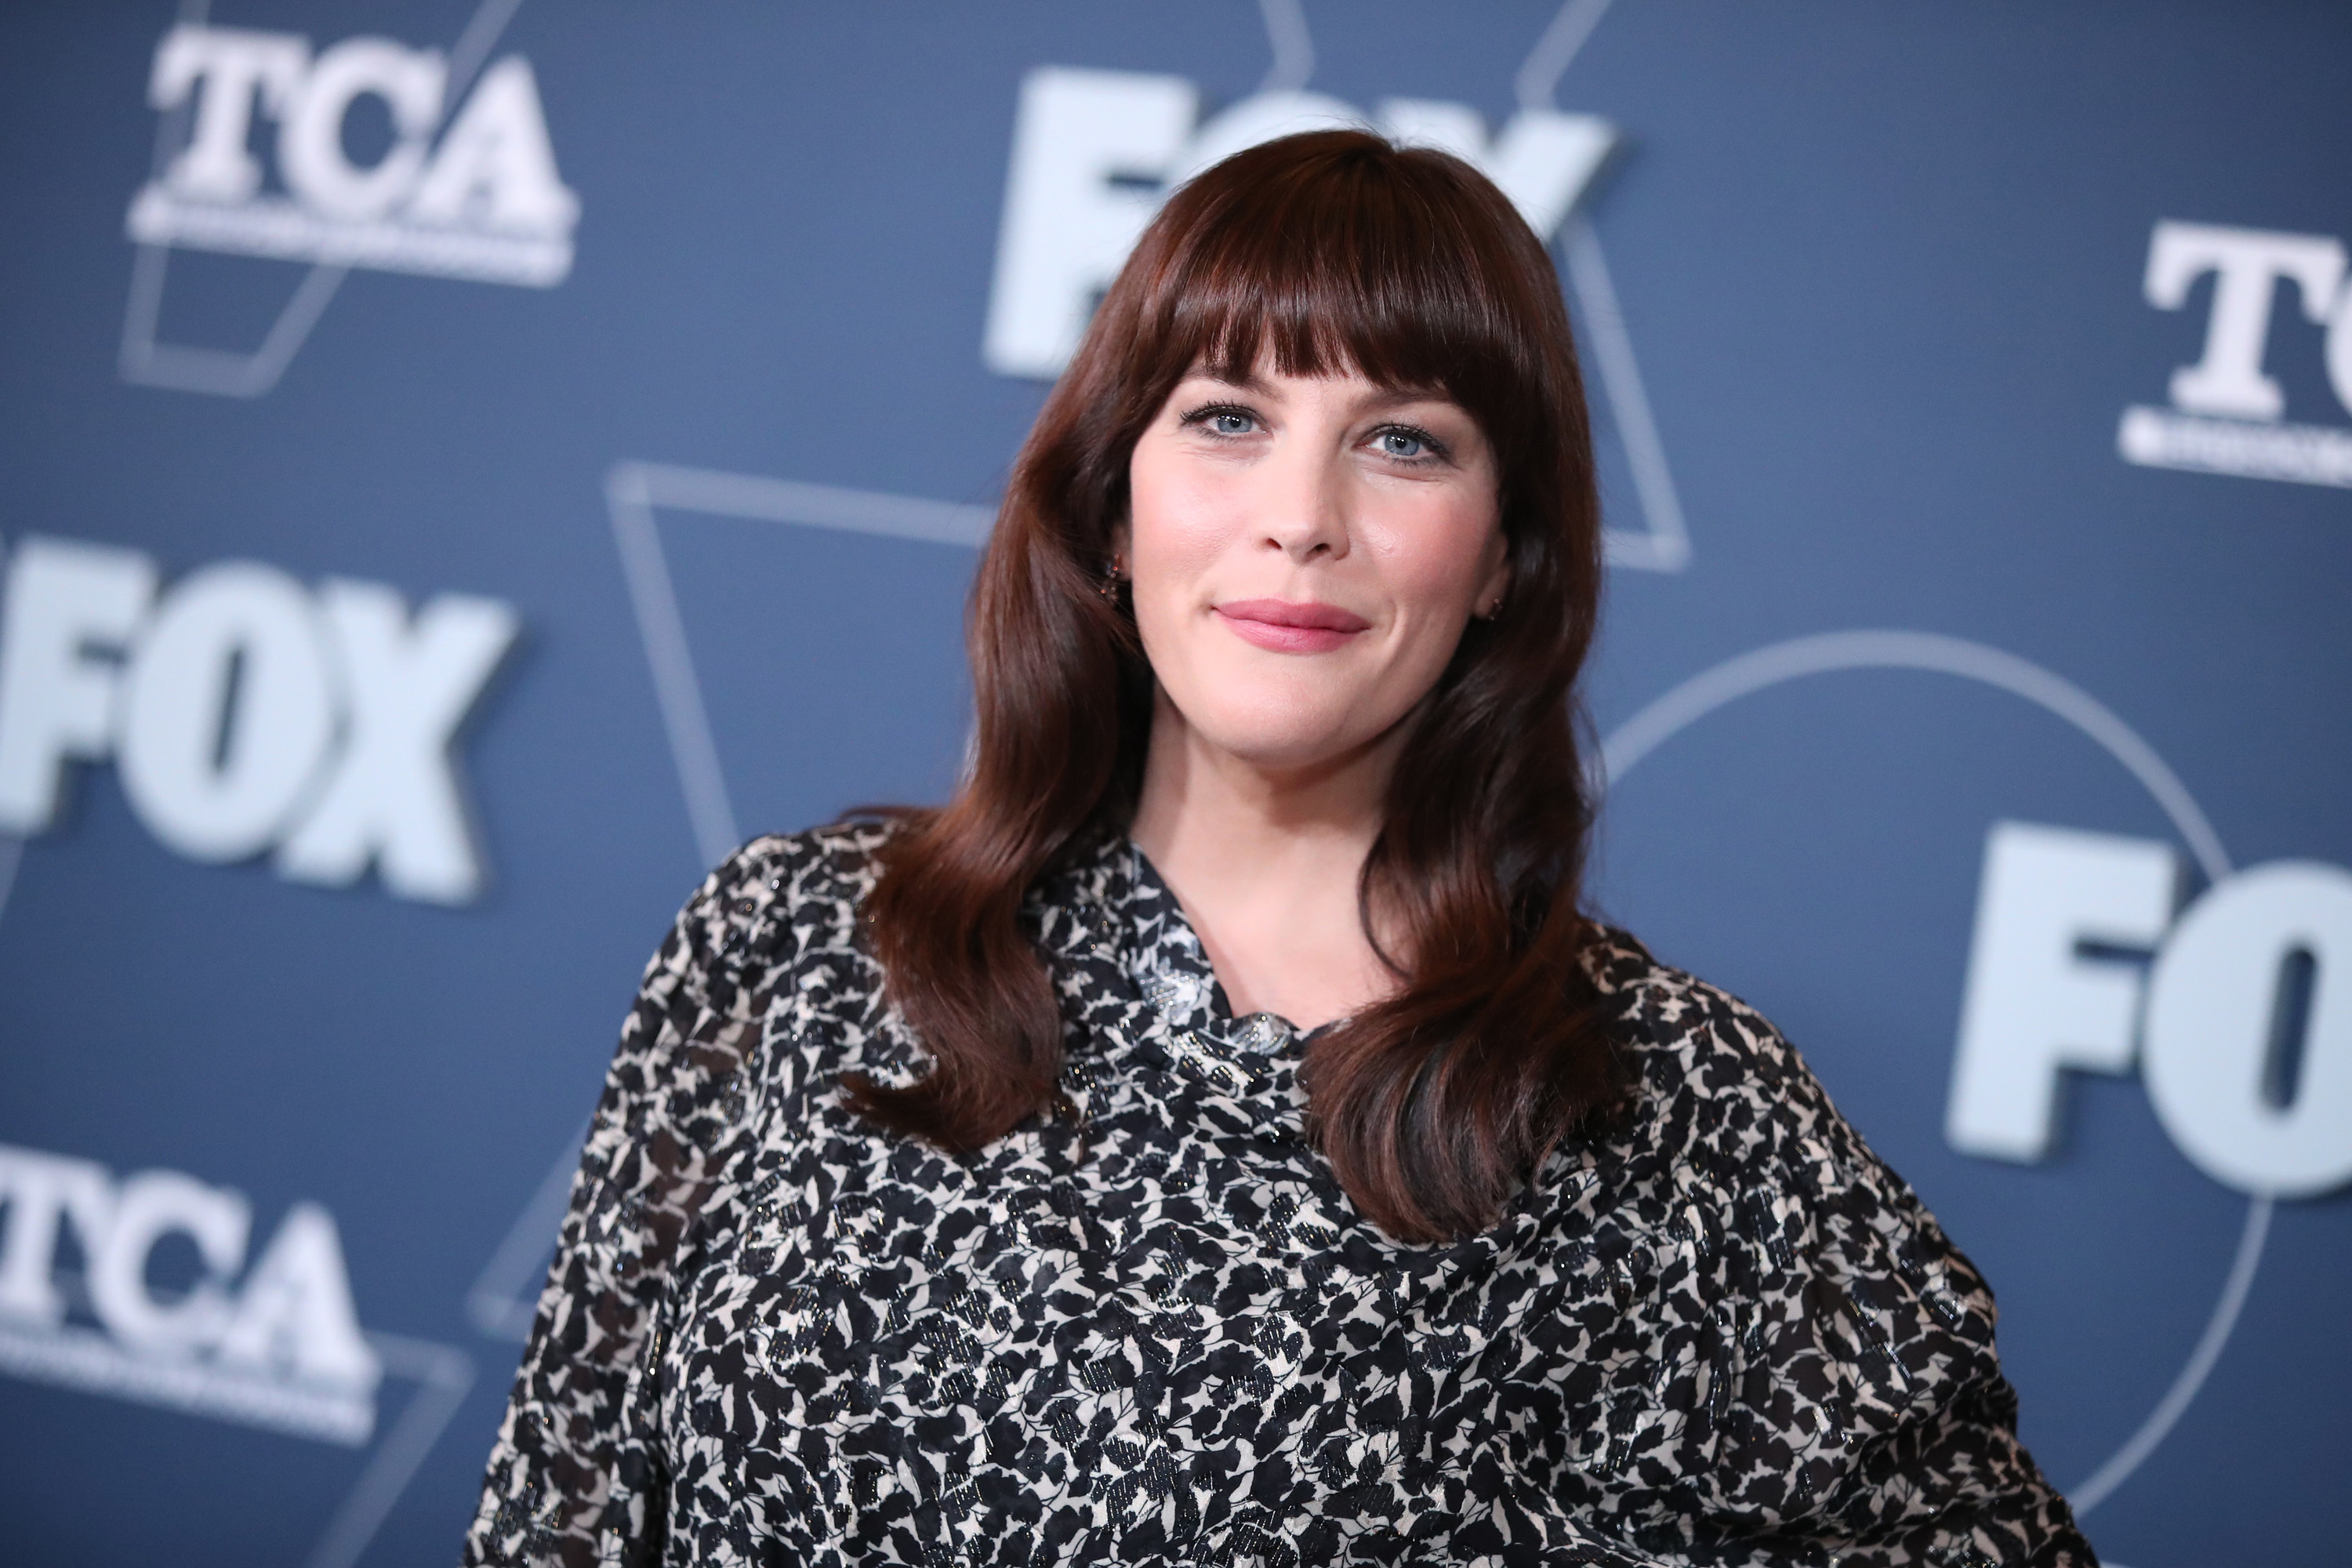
pixel 1266 863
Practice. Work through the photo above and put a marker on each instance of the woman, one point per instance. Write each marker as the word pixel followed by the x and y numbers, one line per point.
pixel 1217 1135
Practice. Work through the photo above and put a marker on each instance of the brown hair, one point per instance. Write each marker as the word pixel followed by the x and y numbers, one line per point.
pixel 1329 250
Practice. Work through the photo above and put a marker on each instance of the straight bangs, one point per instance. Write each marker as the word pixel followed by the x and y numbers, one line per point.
pixel 1357 259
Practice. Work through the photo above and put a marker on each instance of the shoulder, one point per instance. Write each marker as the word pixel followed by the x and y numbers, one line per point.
pixel 1717 1080
pixel 1720 1089
pixel 795 877
pixel 776 897
pixel 1730 1133
pixel 771 929
pixel 1817 1347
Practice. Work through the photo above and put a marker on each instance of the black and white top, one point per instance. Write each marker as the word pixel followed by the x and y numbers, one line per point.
pixel 1154 1331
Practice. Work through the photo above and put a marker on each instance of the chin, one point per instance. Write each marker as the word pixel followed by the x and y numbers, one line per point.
pixel 1286 740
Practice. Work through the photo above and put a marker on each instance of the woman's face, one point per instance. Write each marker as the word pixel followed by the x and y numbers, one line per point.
pixel 1305 552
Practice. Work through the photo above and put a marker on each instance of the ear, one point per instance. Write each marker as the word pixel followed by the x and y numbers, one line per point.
pixel 1497 581
pixel 1121 537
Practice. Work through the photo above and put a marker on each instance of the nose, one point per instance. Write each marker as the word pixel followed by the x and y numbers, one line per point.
pixel 1305 504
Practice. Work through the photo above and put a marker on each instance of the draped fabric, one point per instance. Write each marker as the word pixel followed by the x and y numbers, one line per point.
pixel 1151 1329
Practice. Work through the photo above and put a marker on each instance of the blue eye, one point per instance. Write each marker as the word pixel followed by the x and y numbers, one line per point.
pixel 1221 420
pixel 1403 444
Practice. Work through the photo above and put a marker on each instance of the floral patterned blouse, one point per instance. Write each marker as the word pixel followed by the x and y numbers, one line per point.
pixel 1154 1330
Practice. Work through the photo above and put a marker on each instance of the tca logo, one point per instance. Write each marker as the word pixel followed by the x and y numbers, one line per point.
pixel 1094 152
pixel 2235 1009
pixel 464 189
pixel 281 1348
pixel 2227 415
pixel 247 712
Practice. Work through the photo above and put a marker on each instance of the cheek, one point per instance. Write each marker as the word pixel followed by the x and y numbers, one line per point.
pixel 1182 524
pixel 1170 546
pixel 1177 519
pixel 1436 553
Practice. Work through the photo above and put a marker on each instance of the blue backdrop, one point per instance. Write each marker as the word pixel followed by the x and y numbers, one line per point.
pixel 602 402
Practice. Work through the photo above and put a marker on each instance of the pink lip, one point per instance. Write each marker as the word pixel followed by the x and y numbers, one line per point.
pixel 1285 627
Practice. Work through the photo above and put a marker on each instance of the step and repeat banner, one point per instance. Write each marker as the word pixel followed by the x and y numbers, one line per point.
pixel 468 463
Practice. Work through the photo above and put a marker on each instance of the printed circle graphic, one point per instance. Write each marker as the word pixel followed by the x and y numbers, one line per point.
pixel 1828 653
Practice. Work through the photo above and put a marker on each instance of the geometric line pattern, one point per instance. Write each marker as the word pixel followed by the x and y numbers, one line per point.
pixel 1662 544
pixel 636 492
pixel 443 1374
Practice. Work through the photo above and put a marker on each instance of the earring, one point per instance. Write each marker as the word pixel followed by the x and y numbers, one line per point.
pixel 1493 611
pixel 1108 586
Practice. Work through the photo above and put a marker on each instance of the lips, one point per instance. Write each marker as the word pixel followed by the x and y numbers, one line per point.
pixel 1286 627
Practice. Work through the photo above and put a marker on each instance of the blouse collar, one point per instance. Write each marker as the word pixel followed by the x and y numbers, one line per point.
pixel 1111 913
